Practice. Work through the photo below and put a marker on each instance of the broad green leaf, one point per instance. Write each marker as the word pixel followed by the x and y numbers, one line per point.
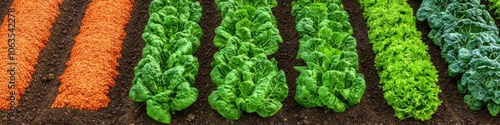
pixel 158 111
pixel 494 109
pixel 185 96
pixel 139 92
pixel 269 107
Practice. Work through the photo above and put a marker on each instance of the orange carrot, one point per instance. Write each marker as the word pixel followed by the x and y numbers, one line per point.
pixel 93 63
pixel 33 22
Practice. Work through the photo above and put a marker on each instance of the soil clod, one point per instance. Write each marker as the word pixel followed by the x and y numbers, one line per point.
pixel 51 77
pixel 190 117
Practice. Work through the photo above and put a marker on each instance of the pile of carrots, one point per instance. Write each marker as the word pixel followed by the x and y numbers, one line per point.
pixel 33 22
pixel 93 63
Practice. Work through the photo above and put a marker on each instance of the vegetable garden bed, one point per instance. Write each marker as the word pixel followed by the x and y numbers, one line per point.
pixel 35 105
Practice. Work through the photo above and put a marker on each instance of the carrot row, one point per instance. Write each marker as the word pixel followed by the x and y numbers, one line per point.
pixel 93 63
pixel 33 22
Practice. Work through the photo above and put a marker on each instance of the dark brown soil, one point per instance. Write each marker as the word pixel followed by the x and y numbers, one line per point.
pixel 35 104
pixel 4 5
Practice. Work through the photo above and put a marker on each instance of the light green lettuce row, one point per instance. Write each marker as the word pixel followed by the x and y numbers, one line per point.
pixel 494 5
pixel 165 75
pixel 406 72
pixel 330 77
pixel 246 80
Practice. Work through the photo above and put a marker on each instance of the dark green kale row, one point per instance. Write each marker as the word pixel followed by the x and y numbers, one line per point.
pixel 468 38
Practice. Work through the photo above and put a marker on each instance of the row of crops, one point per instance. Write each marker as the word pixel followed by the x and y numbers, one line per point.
pixel 468 38
pixel 330 77
pixel 93 64
pixel 246 79
pixel 408 77
pixel 29 40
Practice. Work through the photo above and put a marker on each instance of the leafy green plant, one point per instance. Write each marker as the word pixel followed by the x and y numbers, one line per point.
pixel 468 37
pixel 246 80
pixel 247 84
pixel 495 5
pixel 329 50
pixel 408 76
pixel 165 74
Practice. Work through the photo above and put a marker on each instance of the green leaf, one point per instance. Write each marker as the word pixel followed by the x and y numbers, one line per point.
pixel 226 109
pixel 473 103
pixel 306 25
pixel 268 41
pixel 307 91
pixel 217 76
pixel 326 97
pixel 299 97
pixel 345 93
pixel 478 92
pixel 232 78
pixel 357 89
pixel 496 97
pixel 227 92
pixel 185 96
pixel 494 109
pixel 158 111
pixel 279 89
pixel 246 88
pixel 334 79
pixel 269 107
pixel 139 92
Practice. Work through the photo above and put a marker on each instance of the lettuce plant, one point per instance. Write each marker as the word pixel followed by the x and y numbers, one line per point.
pixel 165 74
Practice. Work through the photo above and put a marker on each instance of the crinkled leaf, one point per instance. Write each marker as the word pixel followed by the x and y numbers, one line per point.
pixel 158 111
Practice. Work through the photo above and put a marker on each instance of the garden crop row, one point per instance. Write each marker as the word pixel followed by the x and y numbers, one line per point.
pixel 330 78
pixel 406 72
pixel 31 26
pixel 93 63
pixel 167 70
pixel 468 38
pixel 246 80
